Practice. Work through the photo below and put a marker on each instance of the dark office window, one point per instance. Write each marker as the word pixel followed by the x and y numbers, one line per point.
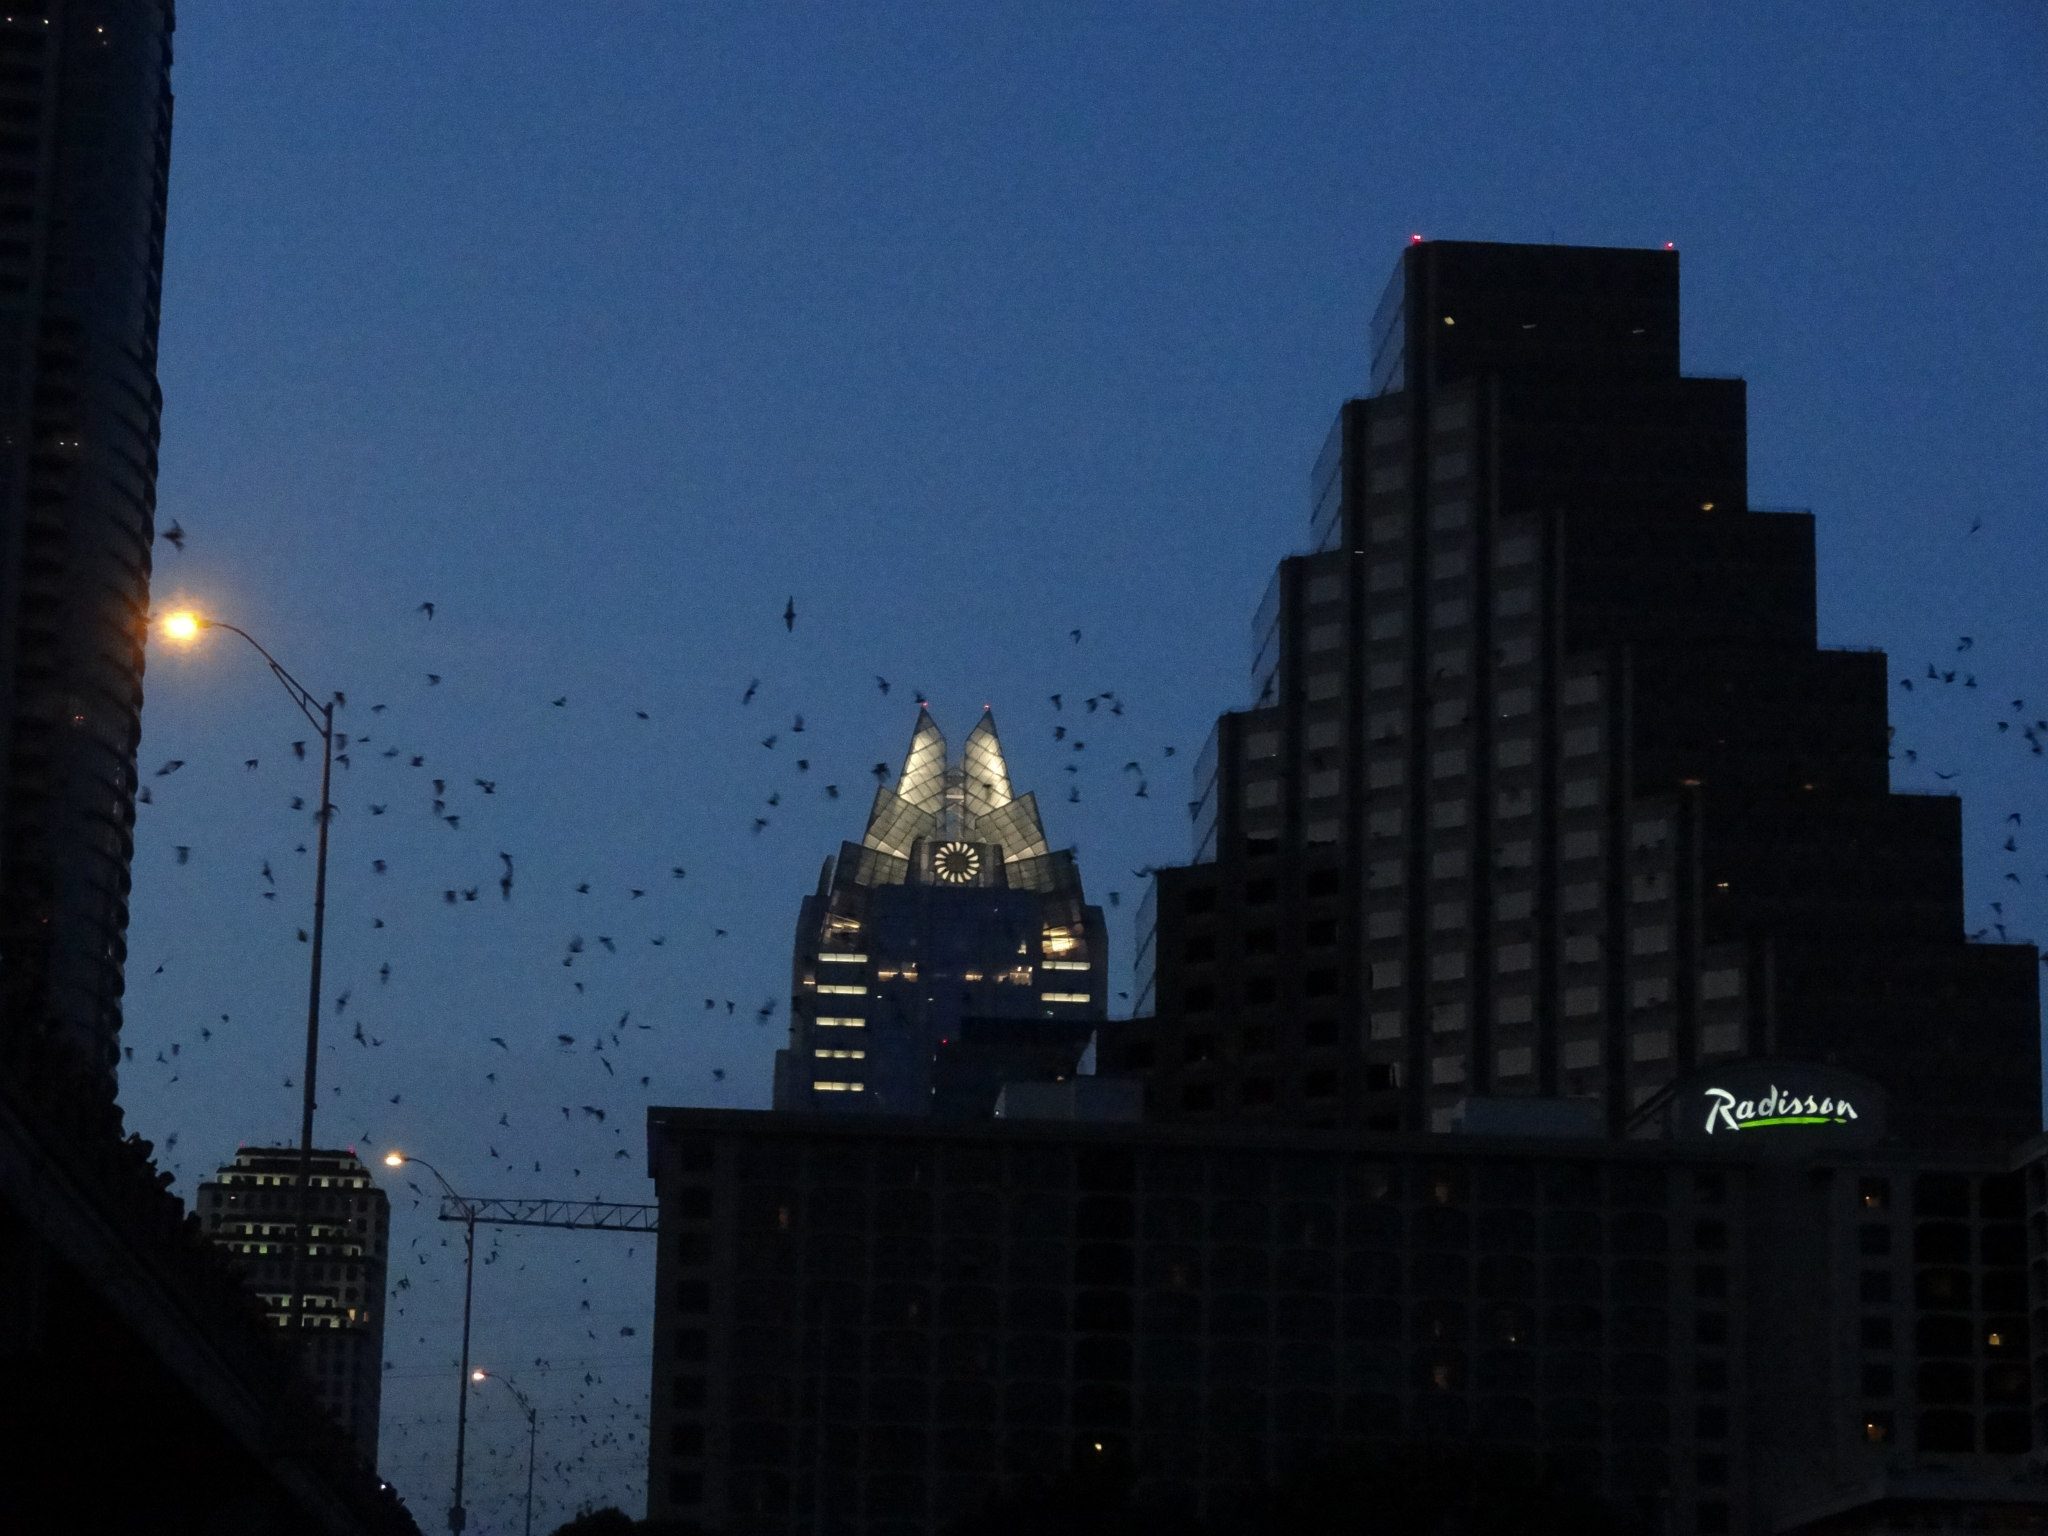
pixel 1947 1430
pixel 1945 1381
pixel 693 1202
pixel 1198 1096
pixel 1105 1264
pixel 689 1344
pixel 1321 933
pixel 1102 1359
pixel 1199 899
pixel 2003 1244
pixel 1874 1194
pixel 2006 1434
pixel 2002 1197
pixel 1261 941
pixel 1941 1242
pixel 1941 1194
pixel 1945 1336
pixel 1103 1217
pixel 1381 1076
pixel 1260 990
pixel 1569 1184
pixel 1877 1333
pixel 1947 1289
pixel 1877 1381
pixel 2005 1382
pixel 1258 893
pixel 2004 1290
pixel 1319 984
pixel 1711 1329
pixel 1199 948
pixel 1874 1286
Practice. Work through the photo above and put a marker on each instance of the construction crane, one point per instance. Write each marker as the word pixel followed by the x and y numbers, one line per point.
pixel 577 1215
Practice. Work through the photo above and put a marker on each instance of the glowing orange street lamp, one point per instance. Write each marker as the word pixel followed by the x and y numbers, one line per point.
pixel 532 1432
pixel 184 626
pixel 458 1517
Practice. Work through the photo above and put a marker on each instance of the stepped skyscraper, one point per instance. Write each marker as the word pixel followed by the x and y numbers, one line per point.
pixel 1548 789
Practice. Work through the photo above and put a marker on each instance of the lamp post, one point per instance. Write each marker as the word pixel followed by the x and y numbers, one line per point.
pixel 458 1517
pixel 184 628
pixel 532 1434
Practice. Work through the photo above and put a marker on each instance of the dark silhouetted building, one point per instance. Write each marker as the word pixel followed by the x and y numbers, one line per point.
pixel 872 1325
pixel 1564 1045
pixel 250 1210
pixel 1548 790
pixel 139 1387
pixel 84 166
pixel 951 910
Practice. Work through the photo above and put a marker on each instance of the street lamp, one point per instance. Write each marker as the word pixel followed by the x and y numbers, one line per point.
pixel 457 1516
pixel 184 627
pixel 532 1433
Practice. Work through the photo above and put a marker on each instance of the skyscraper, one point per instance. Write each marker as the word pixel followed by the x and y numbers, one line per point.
pixel 950 910
pixel 84 166
pixel 1548 789
pixel 251 1209
pixel 1577 1055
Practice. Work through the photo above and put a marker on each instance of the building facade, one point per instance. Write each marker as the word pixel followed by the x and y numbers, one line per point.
pixel 948 927
pixel 84 167
pixel 250 1209
pixel 1548 789
pixel 871 1326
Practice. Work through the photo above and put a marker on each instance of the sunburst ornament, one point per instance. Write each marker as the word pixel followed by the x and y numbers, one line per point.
pixel 957 863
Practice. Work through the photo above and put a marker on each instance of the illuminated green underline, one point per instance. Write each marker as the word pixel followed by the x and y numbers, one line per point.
pixel 1745 1125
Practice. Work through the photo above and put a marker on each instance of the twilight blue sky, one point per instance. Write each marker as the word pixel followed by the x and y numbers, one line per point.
pixel 608 328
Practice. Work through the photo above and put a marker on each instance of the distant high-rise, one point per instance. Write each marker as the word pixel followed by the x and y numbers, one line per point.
pixel 250 1210
pixel 84 165
pixel 1548 789
pixel 950 910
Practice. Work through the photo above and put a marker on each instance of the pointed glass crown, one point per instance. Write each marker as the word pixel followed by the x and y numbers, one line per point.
pixel 971 802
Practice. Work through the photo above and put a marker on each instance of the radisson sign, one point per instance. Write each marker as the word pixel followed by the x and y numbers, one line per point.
pixel 1726 1112
pixel 1780 1106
